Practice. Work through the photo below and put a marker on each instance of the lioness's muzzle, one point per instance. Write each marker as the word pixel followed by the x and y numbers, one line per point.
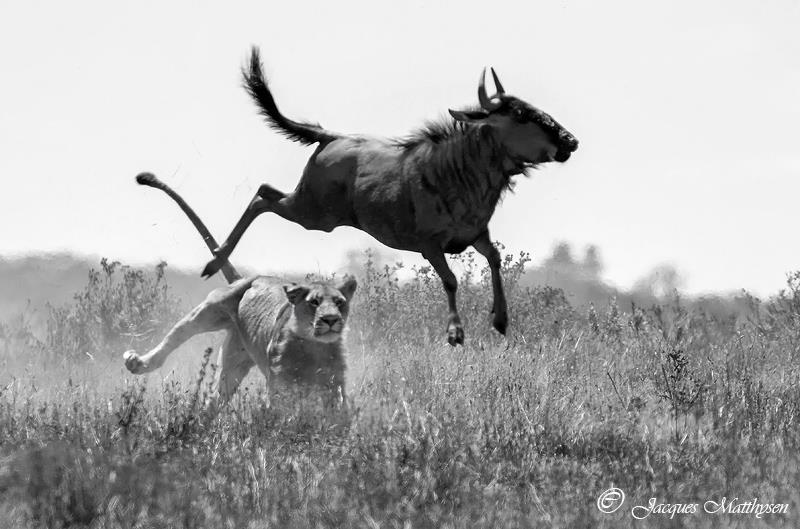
pixel 327 324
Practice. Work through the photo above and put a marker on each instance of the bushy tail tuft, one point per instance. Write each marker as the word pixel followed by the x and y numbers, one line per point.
pixel 256 85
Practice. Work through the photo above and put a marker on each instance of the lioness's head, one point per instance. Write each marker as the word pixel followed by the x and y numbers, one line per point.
pixel 321 308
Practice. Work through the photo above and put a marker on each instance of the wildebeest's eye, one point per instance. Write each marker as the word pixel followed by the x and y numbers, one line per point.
pixel 519 114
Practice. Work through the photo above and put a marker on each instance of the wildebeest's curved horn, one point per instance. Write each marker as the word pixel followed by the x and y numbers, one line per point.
pixel 497 84
pixel 486 103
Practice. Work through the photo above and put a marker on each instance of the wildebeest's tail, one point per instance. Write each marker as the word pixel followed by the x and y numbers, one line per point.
pixel 149 179
pixel 256 85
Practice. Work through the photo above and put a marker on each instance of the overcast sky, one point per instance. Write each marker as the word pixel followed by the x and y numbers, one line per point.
pixel 688 115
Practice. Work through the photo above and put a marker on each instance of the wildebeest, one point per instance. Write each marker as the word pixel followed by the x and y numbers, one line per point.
pixel 433 192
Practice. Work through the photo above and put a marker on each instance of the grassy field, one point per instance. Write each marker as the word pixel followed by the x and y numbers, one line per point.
pixel 670 402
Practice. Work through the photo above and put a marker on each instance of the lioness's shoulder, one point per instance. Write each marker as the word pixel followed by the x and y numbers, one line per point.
pixel 268 282
pixel 265 289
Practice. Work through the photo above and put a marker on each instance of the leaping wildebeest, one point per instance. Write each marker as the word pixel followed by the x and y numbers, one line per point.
pixel 433 192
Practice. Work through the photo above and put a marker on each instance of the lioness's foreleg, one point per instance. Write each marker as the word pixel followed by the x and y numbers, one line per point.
pixel 234 363
pixel 484 246
pixel 336 398
pixel 208 316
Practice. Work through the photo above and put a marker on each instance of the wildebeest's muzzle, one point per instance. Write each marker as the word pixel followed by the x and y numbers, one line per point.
pixel 567 144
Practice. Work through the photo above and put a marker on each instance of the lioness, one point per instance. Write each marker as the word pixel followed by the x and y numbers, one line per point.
pixel 292 332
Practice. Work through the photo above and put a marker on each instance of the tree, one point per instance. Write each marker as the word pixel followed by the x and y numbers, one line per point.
pixel 592 266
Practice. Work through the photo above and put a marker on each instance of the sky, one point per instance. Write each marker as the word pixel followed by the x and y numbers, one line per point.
pixel 688 114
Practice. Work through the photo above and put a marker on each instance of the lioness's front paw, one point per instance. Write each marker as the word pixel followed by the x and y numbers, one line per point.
pixel 133 362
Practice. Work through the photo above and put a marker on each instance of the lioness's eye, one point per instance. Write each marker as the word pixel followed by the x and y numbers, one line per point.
pixel 314 302
pixel 339 301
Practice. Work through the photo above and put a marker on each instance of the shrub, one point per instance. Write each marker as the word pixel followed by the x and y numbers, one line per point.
pixel 120 307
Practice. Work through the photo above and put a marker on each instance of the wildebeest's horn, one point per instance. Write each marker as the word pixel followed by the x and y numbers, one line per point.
pixel 486 103
pixel 497 84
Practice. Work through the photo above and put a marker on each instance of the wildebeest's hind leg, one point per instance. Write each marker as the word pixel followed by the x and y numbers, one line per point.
pixel 484 246
pixel 208 316
pixel 267 198
pixel 232 366
pixel 455 331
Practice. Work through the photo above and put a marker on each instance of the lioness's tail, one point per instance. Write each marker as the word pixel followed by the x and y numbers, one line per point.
pixel 149 179
pixel 256 85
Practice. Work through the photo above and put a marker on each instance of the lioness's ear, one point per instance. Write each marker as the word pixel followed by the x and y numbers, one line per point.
pixel 296 293
pixel 348 286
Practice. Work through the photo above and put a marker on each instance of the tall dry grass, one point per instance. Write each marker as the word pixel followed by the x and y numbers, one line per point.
pixel 524 431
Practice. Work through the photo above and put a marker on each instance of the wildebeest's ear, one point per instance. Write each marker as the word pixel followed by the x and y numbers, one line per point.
pixel 296 293
pixel 468 116
pixel 348 286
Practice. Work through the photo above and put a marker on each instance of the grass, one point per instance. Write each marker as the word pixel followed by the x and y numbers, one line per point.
pixel 669 402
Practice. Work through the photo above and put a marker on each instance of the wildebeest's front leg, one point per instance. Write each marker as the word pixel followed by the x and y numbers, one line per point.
pixel 455 331
pixel 267 198
pixel 484 246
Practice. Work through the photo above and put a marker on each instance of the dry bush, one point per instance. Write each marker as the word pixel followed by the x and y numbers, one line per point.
pixel 120 307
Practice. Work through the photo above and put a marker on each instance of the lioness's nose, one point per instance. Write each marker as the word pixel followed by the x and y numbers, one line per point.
pixel 331 320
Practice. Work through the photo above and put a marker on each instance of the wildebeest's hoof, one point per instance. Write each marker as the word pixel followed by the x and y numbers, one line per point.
pixel 213 266
pixel 500 323
pixel 133 362
pixel 455 334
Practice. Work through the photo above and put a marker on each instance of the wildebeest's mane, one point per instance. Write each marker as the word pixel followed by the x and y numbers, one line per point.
pixel 445 128
pixel 434 132
pixel 459 157
pixel 442 129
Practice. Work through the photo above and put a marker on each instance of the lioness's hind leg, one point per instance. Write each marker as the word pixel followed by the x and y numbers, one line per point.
pixel 233 365
pixel 208 316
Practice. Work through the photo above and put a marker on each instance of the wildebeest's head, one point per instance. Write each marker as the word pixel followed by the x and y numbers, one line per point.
pixel 529 135
pixel 321 308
